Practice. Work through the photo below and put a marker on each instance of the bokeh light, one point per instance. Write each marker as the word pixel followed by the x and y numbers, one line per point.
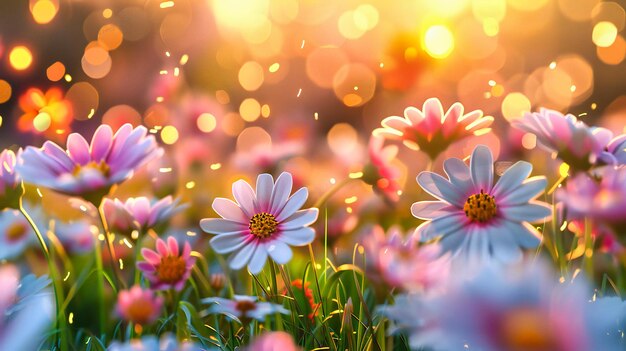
pixel 604 34
pixel 20 57
pixel 438 41
pixel 5 91
pixel 43 11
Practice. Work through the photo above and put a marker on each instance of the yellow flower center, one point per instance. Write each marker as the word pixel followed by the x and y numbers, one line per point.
pixel 171 269
pixel 480 207
pixel 527 329
pixel 102 167
pixel 16 231
pixel 263 225
pixel 140 312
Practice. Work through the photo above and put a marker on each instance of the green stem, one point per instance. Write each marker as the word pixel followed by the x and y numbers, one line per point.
pixel 588 256
pixel 60 321
pixel 100 286
pixel 107 236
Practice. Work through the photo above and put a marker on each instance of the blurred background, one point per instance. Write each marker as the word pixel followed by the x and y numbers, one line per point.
pixel 236 87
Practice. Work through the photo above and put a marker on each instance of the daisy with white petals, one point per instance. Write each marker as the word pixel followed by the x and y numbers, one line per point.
pixel 261 223
pixel 477 219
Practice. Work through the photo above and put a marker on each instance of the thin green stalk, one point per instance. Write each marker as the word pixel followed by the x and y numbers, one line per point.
pixel 60 321
pixel 111 249
pixel 100 269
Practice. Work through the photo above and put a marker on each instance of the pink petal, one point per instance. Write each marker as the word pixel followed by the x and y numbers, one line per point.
pixel 151 256
pixel 78 149
pixel 243 193
pixel 281 192
pixel 101 143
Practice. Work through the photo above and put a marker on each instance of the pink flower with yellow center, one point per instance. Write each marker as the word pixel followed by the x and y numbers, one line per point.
pixel 89 170
pixel 477 219
pixel 261 224
pixel 139 306
pixel 167 267
pixel 48 113
pixel 431 130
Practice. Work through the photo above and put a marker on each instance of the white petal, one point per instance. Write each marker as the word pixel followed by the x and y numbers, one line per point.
pixel 532 212
pixel 439 187
pixel 264 188
pixel 229 210
pixel 229 242
pixel 459 173
pixel 503 245
pixel 294 203
pixel 219 225
pixel 281 192
pixel 430 209
pixel 258 260
pixel 481 167
pixel 279 251
pixel 240 259
pixel 243 193
pixel 298 237
pixel 300 219
pixel 525 234
pixel 529 190
pixel 512 178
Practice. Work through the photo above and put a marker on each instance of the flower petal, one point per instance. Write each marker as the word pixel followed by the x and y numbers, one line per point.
pixel 281 192
pixel 219 225
pixel 78 149
pixel 512 178
pixel 240 259
pixel 459 174
pixel 300 219
pixel 531 212
pixel 228 209
pixel 228 242
pixel 529 190
pixel 439 187
pixel 101 143
pixel 245 197
pixel 279 251
pixel 298 237
pixel 481 168
pixel 429 209
pixel 264 188
pixel 258 259
pixel 294 203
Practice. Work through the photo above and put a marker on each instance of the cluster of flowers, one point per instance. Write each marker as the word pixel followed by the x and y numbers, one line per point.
pixel 476 223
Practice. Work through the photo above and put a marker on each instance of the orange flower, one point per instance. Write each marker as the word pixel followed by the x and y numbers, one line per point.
pixel 47 113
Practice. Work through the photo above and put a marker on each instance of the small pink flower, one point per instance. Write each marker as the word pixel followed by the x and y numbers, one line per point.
pixel 88 170
pixel 167 267
pixel 574 142
pixel 262 223
pixel 431 130
pixel 402 263
pixel 600 199
pixel 380 173
pixel 273 341
pixel 139 213
pixel 139 306
pixel 10 181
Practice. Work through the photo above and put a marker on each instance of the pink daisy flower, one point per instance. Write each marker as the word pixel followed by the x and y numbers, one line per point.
pixel 139 213
pixel 262 223
pixel 617 148
pixel 402 263
pixel 167 267
pixel 89 170
pixel 139 306
pixel 380 173
pixel 574 142
pixel 431 130
pixel 10 181
pixel 476 218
